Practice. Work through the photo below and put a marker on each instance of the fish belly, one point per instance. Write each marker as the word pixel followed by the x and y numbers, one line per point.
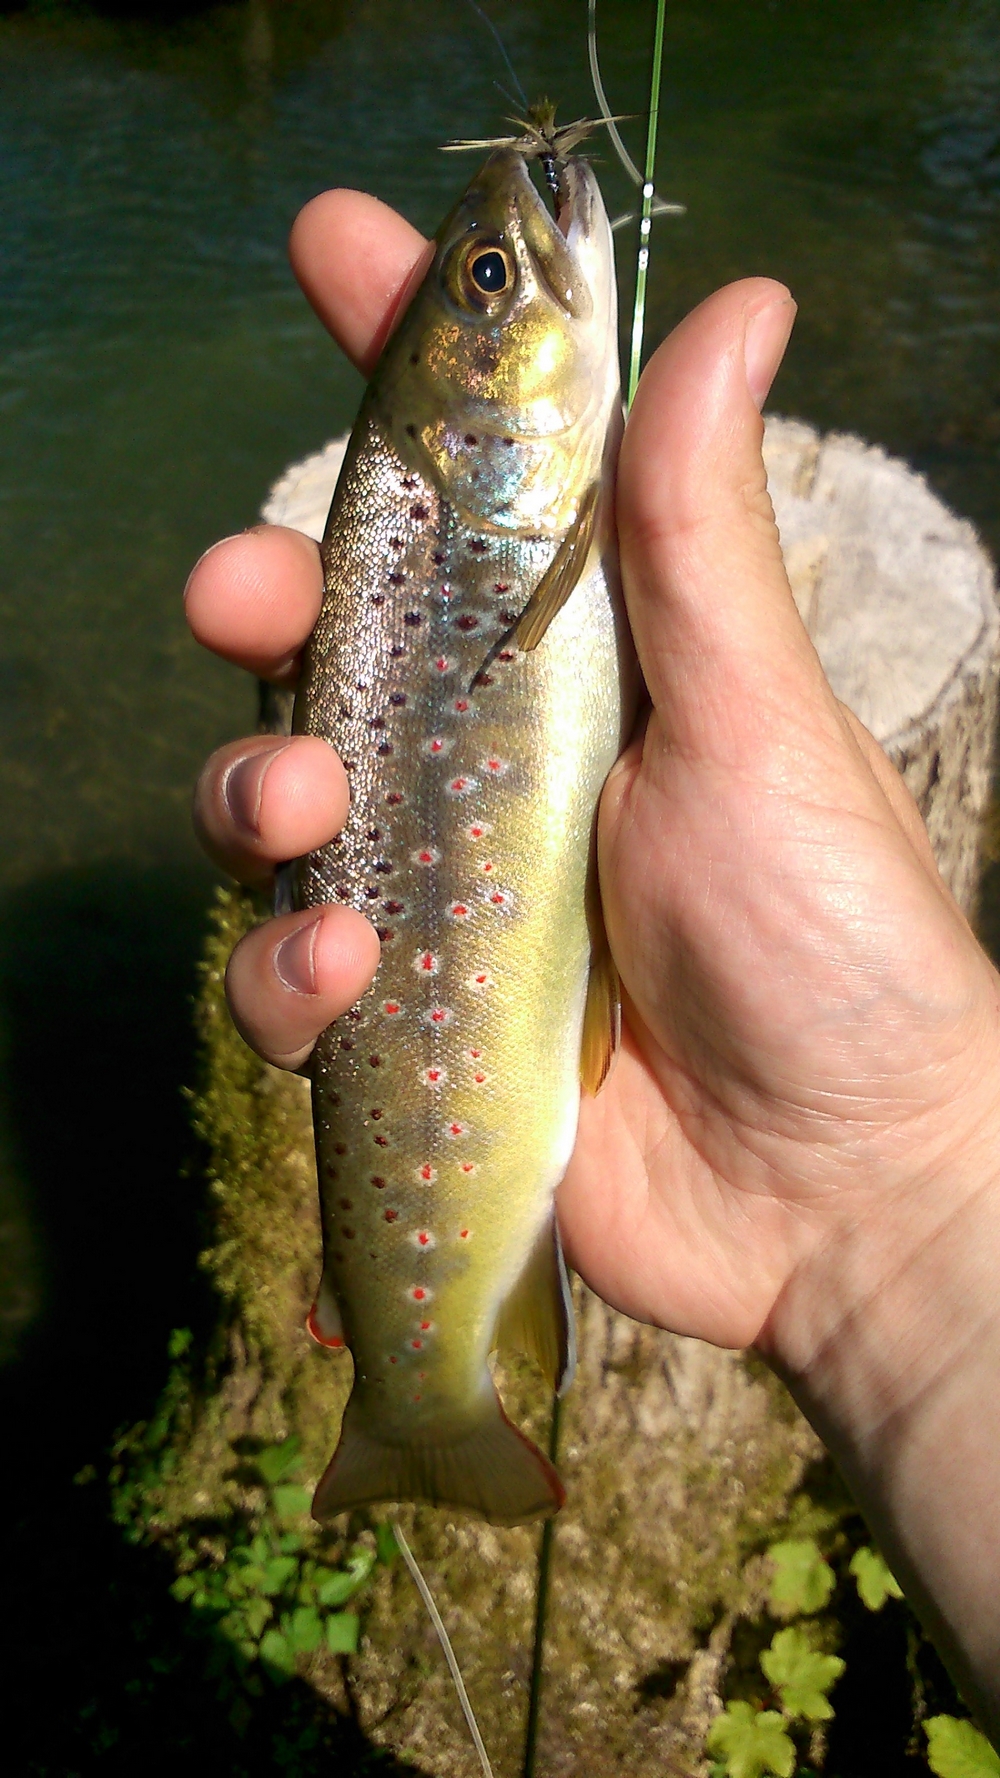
pixel 446 1100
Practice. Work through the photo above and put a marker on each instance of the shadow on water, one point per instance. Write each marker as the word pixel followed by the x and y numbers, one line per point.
pixel 96 977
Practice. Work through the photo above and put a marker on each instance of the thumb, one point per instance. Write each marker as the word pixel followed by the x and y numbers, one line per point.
pixel 719 639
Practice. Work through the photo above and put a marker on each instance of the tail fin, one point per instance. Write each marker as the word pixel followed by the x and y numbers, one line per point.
pixel 495 1471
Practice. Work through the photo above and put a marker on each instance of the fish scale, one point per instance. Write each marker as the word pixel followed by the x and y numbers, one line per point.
pixel 446 1100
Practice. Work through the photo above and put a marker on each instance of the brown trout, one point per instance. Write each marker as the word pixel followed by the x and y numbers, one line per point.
pixel 468 666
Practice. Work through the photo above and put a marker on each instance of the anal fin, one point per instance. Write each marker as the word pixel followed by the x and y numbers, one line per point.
pixel 602 1021
pixel 537 1317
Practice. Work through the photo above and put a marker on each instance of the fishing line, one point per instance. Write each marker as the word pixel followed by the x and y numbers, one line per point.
pixel 449 1653
pixel 645 219
pixel 501 46
pixel 541 1611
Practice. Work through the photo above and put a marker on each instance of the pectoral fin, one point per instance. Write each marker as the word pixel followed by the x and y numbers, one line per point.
pixel 537 1317
pixel 561 575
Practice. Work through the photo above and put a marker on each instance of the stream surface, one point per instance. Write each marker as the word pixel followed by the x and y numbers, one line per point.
pixel 160 368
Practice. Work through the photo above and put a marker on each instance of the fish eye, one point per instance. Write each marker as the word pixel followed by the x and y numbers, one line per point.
pixel 489 273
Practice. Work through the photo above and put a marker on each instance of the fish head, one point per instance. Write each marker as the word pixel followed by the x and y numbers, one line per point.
pixel 502 380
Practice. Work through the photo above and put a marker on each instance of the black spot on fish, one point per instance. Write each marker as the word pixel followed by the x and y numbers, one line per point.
pixel 385 936
pixel 413 617
pixel 471 439
pixel 506 655
pixel 478 545
pixel 482 679
pixel 377 599
pixel 360 685
pixel 382 1141
pixel 384 750
pixel 376 1112
pixel 345 710
pixel 411 431
pixel 507 441
pixel 348 1234
pixel 344 891
pixel 375 1061
pixel 374 834
pixel 376 722
pixel 397 651
pixel 419 511
pixel 384 867
pixel 394 907
pixel 395 543
pixel 331 1171
pixel 347 1043
pixel 346 1203
pixel 393 797
pixel 437 558
pixel 396 579
pixel 466 622
pixel 509 617
pixel 390 1215
pixel 372 891
pixel 414 359
pixel 378 1182
pixel 410 481
pixel 398 699
pixel 340 1148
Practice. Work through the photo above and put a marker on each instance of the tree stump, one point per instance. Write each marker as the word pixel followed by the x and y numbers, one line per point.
pixel 681 1462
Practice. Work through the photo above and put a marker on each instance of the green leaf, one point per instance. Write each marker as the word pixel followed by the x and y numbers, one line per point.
pixel 260 1548
pixel 342 1633
pixel 277 1574
pixel 957 1750
pixel 751 1742
pixel 291 1501
pixel 179 1342
pixel 385 1542
pixel 184 1586
pixel 875 1581
pixel 256 1612
pixel 336 1589
pixel 278 1461
pixel 803 1580
pixel 304 1629
pixel 801 1677
pixel 277 1654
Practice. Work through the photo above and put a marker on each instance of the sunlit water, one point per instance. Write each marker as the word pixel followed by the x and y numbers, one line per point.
pixel 160 369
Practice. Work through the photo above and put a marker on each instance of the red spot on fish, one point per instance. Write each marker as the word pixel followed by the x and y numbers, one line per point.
pixel 444 664
pixel 424 1325
pixel 473 1055
pixel 416 1344
pixel 468 1166
pixel 437 744
pixel 455 1130
pixel 487 867
pixel 461 786
pixel 374 833
pixel 500 898
pixel 418 1293
pixel 458 911
pixel 390 1215
pixel 435 1077
pixel 496 766
pixel 392 1008
pixel 393 1359
pixel 506 655
pixel 385 867
pixel 463 1234
pixel 440 1015
pixel 424 1238
pixel 461 706
pixel 426 963
pixel 393 798
pixel 382 1141
pixel 426 1173
pixel 480 1079
pixel 477 830
pixel 418 1398
pixel 426 856
pixel 377 599
pixel 501 587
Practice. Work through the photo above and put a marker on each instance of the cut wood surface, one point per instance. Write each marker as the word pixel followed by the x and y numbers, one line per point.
pixel 681 1461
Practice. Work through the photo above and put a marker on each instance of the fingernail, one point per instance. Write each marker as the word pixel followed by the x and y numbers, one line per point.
pixel 243 788
pixel 764 344
pixel 295 958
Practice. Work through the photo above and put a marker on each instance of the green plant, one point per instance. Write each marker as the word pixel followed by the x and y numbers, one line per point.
pixel 271 1597
pixel 957 1750
pixel 764 1734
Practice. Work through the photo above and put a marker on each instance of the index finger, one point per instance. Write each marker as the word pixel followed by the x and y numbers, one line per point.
pixel 358 262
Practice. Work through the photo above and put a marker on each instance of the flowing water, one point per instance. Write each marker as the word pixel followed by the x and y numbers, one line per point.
pixel 160 368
